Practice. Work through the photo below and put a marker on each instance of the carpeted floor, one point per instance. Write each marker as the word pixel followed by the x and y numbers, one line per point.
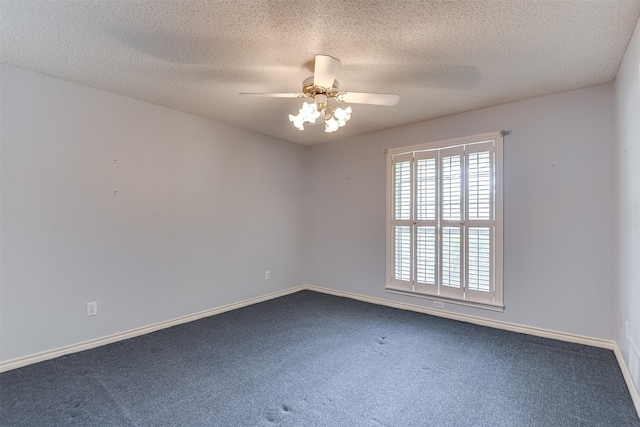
pixel 310 359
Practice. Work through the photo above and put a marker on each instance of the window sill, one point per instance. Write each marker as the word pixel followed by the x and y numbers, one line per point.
pixel 482 305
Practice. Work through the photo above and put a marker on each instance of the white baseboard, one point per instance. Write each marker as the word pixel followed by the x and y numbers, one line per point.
pixel 51 354
pixel 530 330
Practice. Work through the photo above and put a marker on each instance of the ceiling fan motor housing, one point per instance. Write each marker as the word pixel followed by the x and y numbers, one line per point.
pixel 311 90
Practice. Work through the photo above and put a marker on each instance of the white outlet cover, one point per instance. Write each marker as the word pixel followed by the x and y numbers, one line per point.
pixel 92 308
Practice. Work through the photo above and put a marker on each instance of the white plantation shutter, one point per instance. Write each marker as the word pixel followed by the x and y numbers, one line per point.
pixel 426 221
pixel 451 219
pixel 402 220
pixel 445 228
pixel 480 222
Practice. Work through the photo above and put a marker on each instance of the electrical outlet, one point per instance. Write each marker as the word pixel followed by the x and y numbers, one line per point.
pixel 92 308
pixel 438 304
pixel 267 275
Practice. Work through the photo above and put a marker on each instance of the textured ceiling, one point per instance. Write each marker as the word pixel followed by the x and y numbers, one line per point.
pixel 440 57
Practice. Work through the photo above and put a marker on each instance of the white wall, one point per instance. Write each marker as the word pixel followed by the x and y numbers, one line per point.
pixel 558 210
pixel 201 211
pixel 186 231
pixel 627 91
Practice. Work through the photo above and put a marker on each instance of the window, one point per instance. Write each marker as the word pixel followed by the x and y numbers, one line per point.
pixel 444 226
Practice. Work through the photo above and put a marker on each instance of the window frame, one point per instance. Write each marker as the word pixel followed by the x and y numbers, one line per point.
pixel 435 292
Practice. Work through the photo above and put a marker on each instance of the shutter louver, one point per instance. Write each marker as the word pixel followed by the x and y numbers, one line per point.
pixel 479 259
pixel 451 257
pixel 426 255
pixel 451 183
pixel 479 185
pixel 403 190
pixel 403 253
pixel 426 196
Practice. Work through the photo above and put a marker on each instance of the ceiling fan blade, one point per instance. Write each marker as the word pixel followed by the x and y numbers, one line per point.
pixel 276 95
pixel 368 98
pixel 325 71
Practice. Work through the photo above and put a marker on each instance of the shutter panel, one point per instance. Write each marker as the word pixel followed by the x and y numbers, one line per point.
pixel 480 221
pixel 451 221
pixel 426 221
pixel 402 224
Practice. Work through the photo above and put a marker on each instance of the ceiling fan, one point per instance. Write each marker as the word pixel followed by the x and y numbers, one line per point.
pixel 323 87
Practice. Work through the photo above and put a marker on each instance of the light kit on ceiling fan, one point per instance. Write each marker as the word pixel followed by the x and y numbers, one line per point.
pixel 322 88
pixel 334 118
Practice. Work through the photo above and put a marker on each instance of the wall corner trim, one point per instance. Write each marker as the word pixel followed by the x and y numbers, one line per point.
pixel 635 397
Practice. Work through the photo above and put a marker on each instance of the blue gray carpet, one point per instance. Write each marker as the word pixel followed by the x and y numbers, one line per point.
pixel 310 359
